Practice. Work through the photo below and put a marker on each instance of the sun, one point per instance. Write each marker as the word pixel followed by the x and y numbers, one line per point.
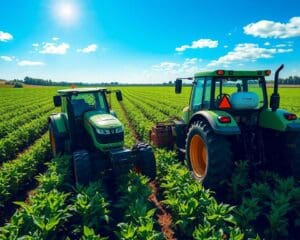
pixel 66 12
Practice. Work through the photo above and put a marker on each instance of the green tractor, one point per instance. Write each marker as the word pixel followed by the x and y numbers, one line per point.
pixel 90 131
pixel 227 120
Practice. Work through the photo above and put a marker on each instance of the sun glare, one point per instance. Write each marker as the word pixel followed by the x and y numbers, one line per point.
pixel 66 12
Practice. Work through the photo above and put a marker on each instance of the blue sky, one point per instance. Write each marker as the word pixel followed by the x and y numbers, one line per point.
pixel 145 41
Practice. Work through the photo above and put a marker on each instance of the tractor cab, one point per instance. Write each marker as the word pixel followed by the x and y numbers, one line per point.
pixel 88 114
pixel 89 131
pixel 235 92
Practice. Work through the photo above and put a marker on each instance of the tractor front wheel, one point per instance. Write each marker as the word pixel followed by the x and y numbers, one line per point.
pixel 57 144
pixel 208 155
pixel 81 167
pixel 145 160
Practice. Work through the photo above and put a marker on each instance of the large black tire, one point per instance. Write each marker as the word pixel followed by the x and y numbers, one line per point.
pixel 145 160
pixel 81 167
pixel 56 142
pixel 208 155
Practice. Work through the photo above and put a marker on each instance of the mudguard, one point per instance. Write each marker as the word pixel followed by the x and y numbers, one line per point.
pixel 220 128
pixel 59 124
pixel 277 121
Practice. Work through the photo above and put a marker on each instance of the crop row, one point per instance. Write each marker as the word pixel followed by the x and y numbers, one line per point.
pixel 141 124
pixel 129 138
pixel 19 103
pixel 53 212
pixel 10 103
pixel 8 126
pixel 22 137
pixel 139 221
pixel 165 109
pixel 18 111
pixel 16 174
pixel 172 104
pixel 196 213
pixel 269 203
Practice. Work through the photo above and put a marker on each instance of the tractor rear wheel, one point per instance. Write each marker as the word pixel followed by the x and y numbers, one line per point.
pixel 81 167
pixel 208 155
pixel 145 160
pixel 57 143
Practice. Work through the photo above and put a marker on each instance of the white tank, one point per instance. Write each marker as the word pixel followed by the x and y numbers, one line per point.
pixel 244 100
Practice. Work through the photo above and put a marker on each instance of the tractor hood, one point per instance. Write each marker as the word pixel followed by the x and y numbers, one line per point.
pixel 99 120
pixel 106 131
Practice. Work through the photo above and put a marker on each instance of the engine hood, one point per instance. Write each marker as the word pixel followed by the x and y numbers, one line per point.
pixel 99 120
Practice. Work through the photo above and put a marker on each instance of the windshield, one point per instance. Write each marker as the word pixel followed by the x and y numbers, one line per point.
pixel 84 102
pixel 239 89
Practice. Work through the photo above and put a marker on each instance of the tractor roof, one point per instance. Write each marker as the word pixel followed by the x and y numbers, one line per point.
pixel 71 91
pixel 231 73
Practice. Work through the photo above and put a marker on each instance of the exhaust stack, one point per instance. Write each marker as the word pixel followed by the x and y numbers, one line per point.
pixel 275 98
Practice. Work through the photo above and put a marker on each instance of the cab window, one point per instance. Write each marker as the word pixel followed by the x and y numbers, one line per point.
pixel 207 93
pixel 197 94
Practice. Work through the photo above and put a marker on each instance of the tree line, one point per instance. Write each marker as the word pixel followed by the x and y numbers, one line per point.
pixel 292 80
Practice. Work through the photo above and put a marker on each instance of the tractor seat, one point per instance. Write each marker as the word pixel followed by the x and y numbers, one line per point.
pixel 79 106
pixel 244 100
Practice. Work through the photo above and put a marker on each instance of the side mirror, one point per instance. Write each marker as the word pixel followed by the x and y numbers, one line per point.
pixel 119 96
pixel 178 86
pixel 57 101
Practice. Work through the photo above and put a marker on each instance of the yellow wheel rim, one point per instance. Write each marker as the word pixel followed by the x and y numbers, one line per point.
pixel 52 142
pixel 198 156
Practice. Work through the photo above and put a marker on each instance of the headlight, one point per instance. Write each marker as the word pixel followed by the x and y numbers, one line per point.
pixel 102 131
pixel 119 129
pixel 109 131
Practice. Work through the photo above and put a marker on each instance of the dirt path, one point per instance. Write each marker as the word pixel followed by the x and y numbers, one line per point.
pixel 164 218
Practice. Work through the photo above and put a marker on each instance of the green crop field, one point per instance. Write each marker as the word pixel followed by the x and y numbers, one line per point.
pixel 38 199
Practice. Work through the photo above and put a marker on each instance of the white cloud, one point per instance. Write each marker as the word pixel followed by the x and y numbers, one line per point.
pixel 270 29
pixel 280 45
pixel 7 58
pixel 201 43
pixel 5 36
pixel 55 38
pixel 267 44
pixel 281 50
pixel 242 53
pixel 225 46
pixel 290 43
pixel 247 52
pixel 30 63
pixel 189 66
pixel 90 48
pixel 53 48
pixel 35 44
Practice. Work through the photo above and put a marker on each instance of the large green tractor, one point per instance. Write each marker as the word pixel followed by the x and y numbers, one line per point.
pixel 88 130
pixel 228 119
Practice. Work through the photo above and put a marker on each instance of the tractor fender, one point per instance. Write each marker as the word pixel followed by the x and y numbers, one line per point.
pixel 59 124
pixel 276 120
pixel 212 118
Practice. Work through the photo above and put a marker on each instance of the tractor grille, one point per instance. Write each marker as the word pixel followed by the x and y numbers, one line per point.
pixel 109 138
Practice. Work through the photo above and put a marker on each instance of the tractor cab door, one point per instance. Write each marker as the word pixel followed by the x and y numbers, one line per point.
pixel 201 94
pixel 79 104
